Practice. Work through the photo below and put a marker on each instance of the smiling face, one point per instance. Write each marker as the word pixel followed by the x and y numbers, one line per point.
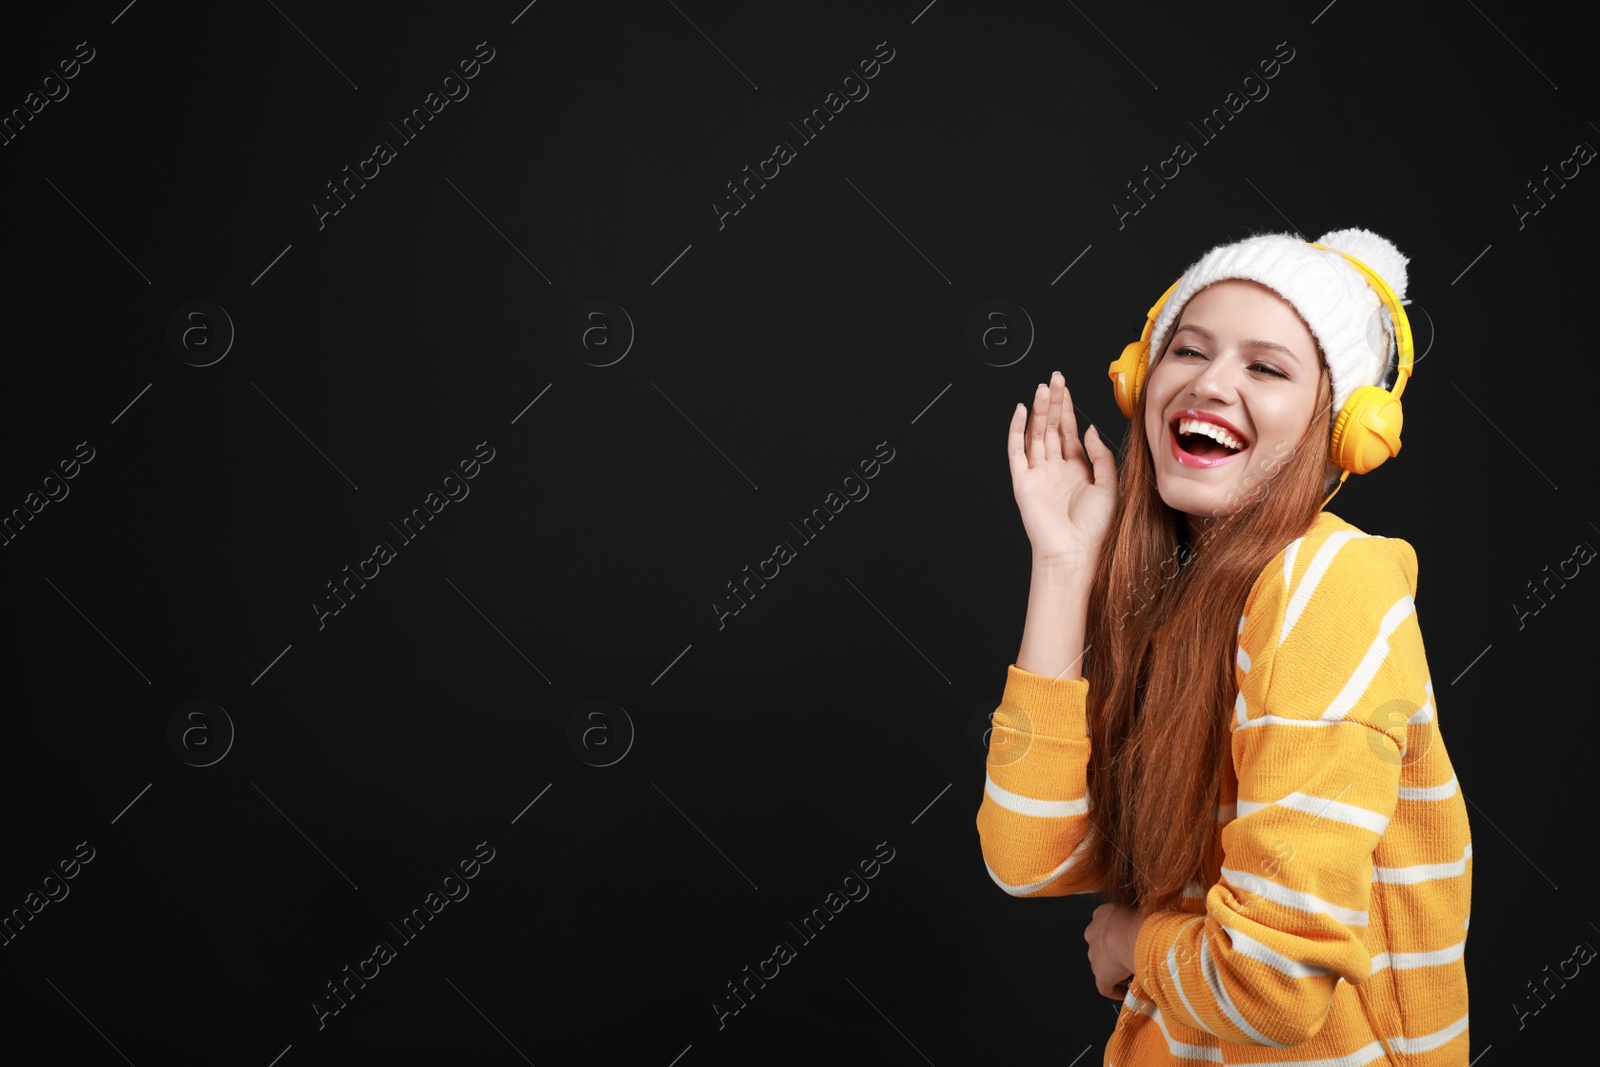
pixel 1242 366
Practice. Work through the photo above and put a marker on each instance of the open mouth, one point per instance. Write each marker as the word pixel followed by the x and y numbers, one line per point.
pixel 1205 440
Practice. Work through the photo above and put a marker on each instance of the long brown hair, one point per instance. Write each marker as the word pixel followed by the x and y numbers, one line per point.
pixel 1158 712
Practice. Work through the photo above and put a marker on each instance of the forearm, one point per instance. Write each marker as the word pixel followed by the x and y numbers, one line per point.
pixel 1032 823
pixel 1058 612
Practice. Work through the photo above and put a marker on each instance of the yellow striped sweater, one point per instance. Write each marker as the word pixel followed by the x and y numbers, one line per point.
pixel 1339 888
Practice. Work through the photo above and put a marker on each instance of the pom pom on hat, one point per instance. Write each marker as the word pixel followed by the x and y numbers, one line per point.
pixel 1376 252
pixel 1333 297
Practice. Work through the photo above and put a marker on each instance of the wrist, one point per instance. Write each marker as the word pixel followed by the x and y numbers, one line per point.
pixel 1070 561
pixel 1073 572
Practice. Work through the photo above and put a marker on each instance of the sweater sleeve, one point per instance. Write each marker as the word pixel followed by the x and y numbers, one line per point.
pixel 1331 668
pixel 1033 820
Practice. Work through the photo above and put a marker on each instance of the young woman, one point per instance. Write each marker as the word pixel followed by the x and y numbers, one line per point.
pixel 1221 719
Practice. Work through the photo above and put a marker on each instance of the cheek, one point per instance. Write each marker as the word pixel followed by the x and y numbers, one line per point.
pixel 1158 397
pixel 1152 429
pixel 1286 421
pixel 1156 391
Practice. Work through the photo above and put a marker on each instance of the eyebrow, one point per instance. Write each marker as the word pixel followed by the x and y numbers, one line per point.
pixel 1247 342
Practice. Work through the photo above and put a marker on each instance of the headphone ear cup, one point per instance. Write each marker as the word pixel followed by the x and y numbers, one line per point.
pixel 1127 373
pixel 1367 431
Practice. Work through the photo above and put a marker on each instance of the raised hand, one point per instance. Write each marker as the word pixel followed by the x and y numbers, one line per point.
pixel 1066 491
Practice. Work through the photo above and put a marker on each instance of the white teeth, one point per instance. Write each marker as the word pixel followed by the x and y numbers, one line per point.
pixel 1211 430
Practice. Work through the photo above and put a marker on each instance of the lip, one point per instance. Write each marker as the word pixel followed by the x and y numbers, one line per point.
pixel 1185 459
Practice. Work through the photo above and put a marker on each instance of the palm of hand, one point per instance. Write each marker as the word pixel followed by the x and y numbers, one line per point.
pixel 1065 490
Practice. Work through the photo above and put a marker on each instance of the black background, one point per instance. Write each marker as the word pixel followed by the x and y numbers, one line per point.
pixel 774 353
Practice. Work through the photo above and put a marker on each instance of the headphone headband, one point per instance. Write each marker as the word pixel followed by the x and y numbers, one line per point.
pixel 1397 317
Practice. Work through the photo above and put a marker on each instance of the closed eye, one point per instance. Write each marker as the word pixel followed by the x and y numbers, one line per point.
pixel 1265 368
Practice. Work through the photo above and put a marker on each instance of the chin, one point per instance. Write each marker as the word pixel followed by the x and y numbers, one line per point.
pixel 1191 493
pixel 1195 503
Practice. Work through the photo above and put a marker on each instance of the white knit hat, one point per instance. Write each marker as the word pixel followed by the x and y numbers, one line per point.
pixel 1335 299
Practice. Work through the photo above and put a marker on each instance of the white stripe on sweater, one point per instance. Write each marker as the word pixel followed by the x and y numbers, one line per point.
pixel 1376 653
pixel 1314 572
pixel 1062 868
pixel 1208 968
pixel 1177 982
pixel 1424 713
pixel 1429 792
pixel 1321 807
pixel 1280 720
pixel 1025 805
pixel 1360 1058
pixel 1407 961
pixel 1309 903
pixel 1180 1049
pixel 1251 949
pixel 1423 872
pixel 1409 1045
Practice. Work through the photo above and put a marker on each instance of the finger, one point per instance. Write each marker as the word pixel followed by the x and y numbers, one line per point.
pixel 1016 453
pixel 1070 447
pixel 1041 411
pixel 1053 447
pixel 1100 454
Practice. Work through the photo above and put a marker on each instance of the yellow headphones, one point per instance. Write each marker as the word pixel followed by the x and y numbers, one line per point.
pixel 1367 430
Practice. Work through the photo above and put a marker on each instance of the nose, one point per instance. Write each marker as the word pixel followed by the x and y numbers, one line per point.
pixel 1214 378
